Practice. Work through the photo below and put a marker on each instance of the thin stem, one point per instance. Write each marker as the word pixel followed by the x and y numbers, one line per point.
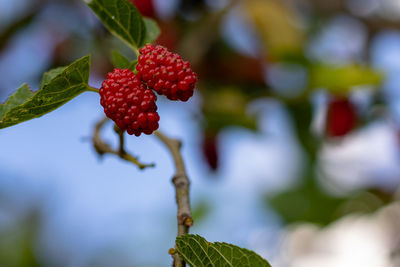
pixel 102 147
pixel 92 89
pixel 136 50
pixel 121 138
pixel 121 143
pixel 181 183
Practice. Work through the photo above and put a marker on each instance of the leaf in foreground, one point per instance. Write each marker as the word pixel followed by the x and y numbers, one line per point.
pixel 63 87
pixel 122 19
pixel 48 75
pixel 197 252
pixel 20 96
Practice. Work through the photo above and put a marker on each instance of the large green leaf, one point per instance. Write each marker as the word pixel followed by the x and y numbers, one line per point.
pixel 340 79
pixel 152 30
pixel 197 252
pixel 63 87
pixel 122 19
pixel 19 97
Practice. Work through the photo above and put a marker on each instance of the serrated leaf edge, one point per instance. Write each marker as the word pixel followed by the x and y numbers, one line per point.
pixel 67 68
pixel 212 245
pixel 5 102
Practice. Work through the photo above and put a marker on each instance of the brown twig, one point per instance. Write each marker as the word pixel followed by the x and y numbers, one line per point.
pixel 121 139
pixel 181 184
pixel 102 147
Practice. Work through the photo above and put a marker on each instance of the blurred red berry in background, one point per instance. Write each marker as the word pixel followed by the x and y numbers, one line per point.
pixel 145 7
pixel 210 149
pixel 170 35
pixel 341 117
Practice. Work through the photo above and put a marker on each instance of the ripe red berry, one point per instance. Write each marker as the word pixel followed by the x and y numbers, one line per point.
pixel 210 149
pixel 129 103
pixel 166 72
pixel 341 117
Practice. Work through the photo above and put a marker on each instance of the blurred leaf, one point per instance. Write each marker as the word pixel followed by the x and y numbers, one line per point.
pixel 152 30
pixel 310 203
pixel 366 201
pixel 227 107
pixel 197 252
pixel 274 21
pixel 200 211
pixel 216 121
pixel 20 96
pixel 339 79
pixel 122 19
pixel 202 35
pixel 17 243
pixel 301 113
pixel 72 81
pixel 306 203
pixel 47 76
pixel 121 62
pixel 17 24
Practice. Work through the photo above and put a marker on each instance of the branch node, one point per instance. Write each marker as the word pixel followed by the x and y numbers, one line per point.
pixel 172 251
pixel 188 221
pixel 180 180
pixel 102 147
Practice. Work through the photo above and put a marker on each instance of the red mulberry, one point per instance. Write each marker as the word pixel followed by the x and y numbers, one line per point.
pixel 166 72
pixel 129 103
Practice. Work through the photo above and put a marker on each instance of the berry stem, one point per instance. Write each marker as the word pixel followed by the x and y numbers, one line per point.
pixel 102 147
pixel 121 139
pixel 181 183
pixel 136 50
pixel 92 89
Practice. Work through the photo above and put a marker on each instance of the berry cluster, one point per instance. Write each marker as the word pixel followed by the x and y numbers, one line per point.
pixel 127 98
pixel 166 72
pixel 129 103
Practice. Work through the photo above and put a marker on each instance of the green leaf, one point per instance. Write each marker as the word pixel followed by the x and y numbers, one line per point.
pixel 226 106
pixel 197 252
pixel 152 30
pixel 22 94
pixel 118 60
pixel 72 81
pixel 305 204
pixel 200 211
pixel 47 76
pixel 122 19
pixel 340 79
pixel 121 62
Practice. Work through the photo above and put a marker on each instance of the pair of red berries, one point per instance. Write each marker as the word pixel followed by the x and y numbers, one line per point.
pixel 128 98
